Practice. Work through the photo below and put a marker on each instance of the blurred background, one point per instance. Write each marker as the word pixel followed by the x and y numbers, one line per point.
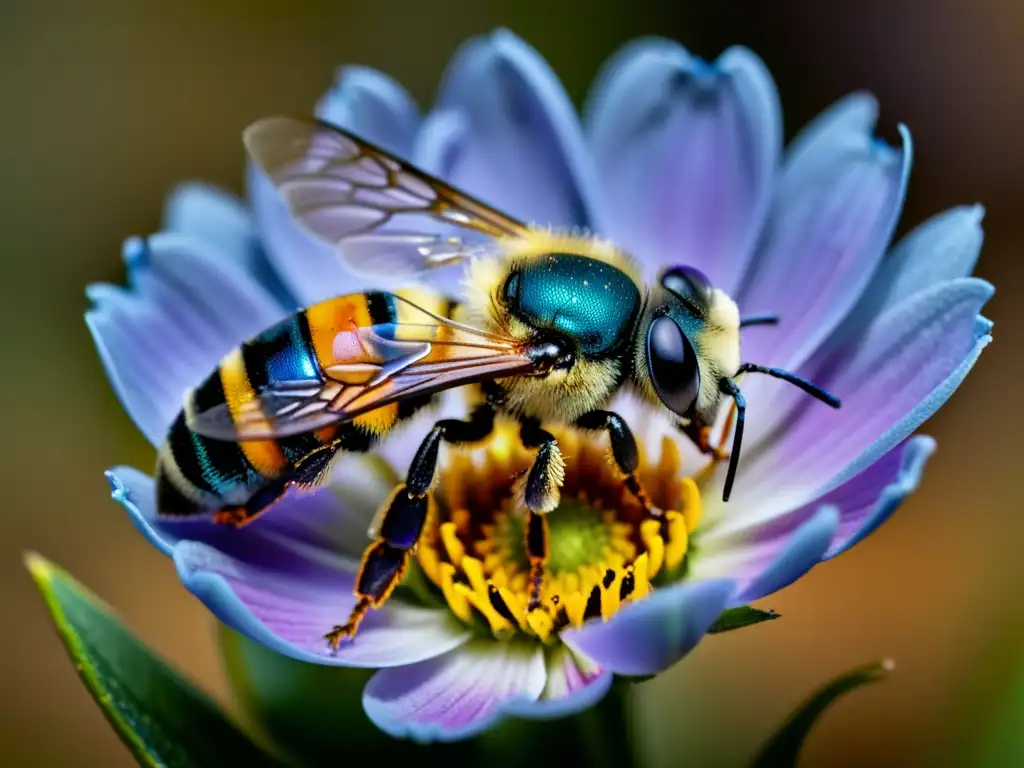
pixel 107 104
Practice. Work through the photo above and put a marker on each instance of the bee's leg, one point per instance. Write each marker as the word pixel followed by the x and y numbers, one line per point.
pixel 402 518
pixel 305 473
pixel 541 495
pixel 624 452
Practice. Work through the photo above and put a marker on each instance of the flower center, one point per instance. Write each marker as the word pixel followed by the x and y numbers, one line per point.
pixel 603 550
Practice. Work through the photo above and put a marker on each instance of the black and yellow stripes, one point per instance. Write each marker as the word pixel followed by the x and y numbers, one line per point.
pixel 197 474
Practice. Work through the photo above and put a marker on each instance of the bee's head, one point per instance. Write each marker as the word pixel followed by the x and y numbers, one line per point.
pixel 688 342
pixel 688 352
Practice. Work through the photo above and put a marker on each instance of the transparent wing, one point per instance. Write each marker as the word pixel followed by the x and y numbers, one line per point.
pixel 380 213
pixel 373 366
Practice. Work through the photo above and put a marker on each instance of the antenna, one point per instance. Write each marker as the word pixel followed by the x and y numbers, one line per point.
pixel 730 388
pixel 746 322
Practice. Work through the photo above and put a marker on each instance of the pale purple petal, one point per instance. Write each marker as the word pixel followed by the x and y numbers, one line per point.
pixel 861 512
pixel 864 502
pixel 458 695
pixel 291 613
pixel 521 149
pixel 890 381
pixel 944 248
pixel 186 306
pixel 574 684
pixel 686 153
pixel 803 550
pixel 371 105
pixel 650 636
pixel 830 224
pixel 780 555
pixel 319 532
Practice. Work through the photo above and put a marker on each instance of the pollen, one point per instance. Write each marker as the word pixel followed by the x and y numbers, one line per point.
pixel 604 550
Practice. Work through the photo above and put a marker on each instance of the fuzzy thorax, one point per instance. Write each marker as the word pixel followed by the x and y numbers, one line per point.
pixel 562 395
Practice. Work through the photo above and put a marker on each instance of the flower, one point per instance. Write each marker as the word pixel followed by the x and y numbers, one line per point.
pixel 678 161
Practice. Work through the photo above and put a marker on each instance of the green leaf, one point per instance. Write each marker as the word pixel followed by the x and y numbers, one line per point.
pixel 783 749
pixel 162 717
pixel 742 616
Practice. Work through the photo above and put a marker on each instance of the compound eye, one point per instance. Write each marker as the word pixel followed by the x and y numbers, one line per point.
pixel 672 365
pixel 688 283
pixel 510 291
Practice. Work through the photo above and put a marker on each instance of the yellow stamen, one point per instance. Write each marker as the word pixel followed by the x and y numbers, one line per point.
pixel 604 550
pixel 650 532
pixel 692 507
pixel 678 540
pixel 455 597
pixel 452 545
pixel 641 582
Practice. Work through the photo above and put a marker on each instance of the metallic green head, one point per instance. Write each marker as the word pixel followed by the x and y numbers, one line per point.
pixel 591 302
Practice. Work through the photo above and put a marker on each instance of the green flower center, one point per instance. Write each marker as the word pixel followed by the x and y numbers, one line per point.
pixel 577 537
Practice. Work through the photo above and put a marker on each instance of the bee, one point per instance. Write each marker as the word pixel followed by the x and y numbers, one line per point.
pixel 549 328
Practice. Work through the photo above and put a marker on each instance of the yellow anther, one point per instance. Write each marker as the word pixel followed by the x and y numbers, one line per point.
pixel 570 582
pixel 430 562
pixel 450 589
pixel 678 540
pixel 541 623
pixel 482 602
pixel 650 533
pixel 451 542
pixel 492 561
pixel 670 464
pixel 474 571
pixel 575 607
pixel 498 577
pixel 692 506
pixel 610 600
pixel 461 519
pixel 515 607
pixel 641 580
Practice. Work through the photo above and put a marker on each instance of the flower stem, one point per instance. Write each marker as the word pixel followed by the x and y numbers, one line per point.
pixel 597 737
pixel 605 730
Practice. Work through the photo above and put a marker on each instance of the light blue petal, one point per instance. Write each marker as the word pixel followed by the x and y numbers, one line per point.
pixel 134 490
pixel 216 217
pixel 458 695
pixel 649 636
pixel 212 215
pixel 890 380
pixel 804 550
pixel 186 306
pixel 687 154
pixel 291 614
pixel 944 248
pixel 843 124
pixel 830 225
pixel 522 151
pixel 852 531
pixel 374 107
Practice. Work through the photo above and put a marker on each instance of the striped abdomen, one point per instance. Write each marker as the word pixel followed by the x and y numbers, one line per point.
pixel 197 474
